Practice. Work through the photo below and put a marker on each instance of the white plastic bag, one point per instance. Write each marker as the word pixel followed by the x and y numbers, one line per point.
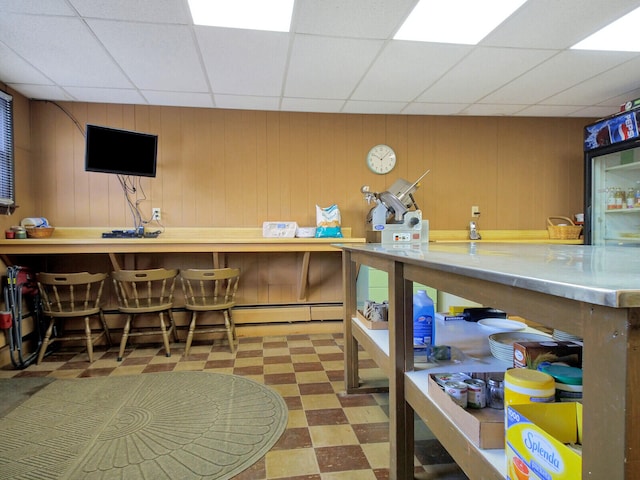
pixel 328 222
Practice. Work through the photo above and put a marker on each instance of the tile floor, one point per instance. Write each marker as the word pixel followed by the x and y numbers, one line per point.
pixel 330 435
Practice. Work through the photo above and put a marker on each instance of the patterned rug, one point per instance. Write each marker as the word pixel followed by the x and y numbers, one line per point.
pixel 172 425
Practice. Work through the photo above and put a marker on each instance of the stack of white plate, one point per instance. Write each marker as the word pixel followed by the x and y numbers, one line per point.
pixel 501 344
pixel 501 324
pixel 565 337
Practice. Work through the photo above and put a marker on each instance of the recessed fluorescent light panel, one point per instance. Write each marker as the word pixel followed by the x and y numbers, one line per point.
pixel 272 15
pixel 461 21
pixel 620 35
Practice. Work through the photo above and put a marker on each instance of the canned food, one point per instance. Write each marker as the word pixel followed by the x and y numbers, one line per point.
pixel 458 392
pixel 442 378
pixel 476 393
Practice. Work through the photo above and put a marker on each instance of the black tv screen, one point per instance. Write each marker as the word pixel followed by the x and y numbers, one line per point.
pixel 123 152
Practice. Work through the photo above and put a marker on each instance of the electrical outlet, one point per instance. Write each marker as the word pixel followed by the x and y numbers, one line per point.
pixel 475 211
pixel 155 214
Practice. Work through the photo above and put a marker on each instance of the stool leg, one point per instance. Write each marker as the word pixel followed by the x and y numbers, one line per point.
pixel 173 327
pixel 45 342
pixel 192 327
pixel 105 327
pixel 227 324
pixel 125 335
pixel 165 335
pixel 89 340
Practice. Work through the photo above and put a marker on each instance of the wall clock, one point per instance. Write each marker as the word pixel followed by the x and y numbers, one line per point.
pixel 381 159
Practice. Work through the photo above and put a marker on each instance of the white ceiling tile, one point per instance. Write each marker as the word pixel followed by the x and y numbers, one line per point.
pixel 339 51
pixel 354 106
pixel 16 69
pixel 70 55
pixel 593 112
pixel 42 92
pixel 244 102
pixel 355 18
pixel 420 108
pixel 39 7
pixel 244 62
pixel 560 72
pixel 106 95
pixel 187 99
pixel 548 111
pixel 482 72
pixel 602 87
pixel 155 56
pixel 483 110
pixel 323 67
pixel 405 69
pixel 557 24
pixel 311 105
pixel 162 11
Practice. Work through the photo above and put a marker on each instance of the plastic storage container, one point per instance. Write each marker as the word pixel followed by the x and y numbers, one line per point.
pixel 424 328
pixel 522 385
pixel 568 381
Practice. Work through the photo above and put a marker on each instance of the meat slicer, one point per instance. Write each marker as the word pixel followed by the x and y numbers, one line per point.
pixel 395 218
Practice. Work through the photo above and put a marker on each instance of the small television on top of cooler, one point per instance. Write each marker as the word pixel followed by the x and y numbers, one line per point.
pixel 122 152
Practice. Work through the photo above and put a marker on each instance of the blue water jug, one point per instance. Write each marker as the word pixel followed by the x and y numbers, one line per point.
pixel 424 327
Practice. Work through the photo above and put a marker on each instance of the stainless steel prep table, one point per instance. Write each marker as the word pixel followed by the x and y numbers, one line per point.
pixel 589 291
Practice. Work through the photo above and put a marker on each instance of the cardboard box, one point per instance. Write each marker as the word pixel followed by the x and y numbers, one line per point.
pixel 536 441
pixel 372 325
pixel 531 354
pixel 484 427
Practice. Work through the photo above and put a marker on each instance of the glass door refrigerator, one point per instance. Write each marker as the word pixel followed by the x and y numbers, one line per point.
pixel 612 180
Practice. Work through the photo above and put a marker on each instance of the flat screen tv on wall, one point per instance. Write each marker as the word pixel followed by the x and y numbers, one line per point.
pixel 121 152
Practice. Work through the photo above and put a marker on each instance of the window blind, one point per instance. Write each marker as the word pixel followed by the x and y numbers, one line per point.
pixel 7 197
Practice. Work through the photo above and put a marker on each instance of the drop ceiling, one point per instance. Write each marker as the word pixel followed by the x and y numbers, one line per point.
pixel 338 57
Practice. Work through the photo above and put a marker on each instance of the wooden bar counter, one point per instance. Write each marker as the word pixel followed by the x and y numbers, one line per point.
pixel 280 284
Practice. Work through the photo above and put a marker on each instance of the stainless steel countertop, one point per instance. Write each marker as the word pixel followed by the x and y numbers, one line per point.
pixel 602 275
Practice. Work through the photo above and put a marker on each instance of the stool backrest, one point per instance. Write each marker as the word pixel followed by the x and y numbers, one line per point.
pixel 144 288
pixel 71 294
pixel 214 287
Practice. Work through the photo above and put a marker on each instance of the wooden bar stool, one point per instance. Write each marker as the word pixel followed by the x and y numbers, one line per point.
pixel 210 290
pixel 146 292
pixel 72 295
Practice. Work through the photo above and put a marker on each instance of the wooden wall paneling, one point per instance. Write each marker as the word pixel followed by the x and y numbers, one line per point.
pixel 319 158
pixel 261 169
pixel 98 202
pixel 323 184
pixel 325 282
pixel 118 116
pixel 215 168
pixel 396 136
pixel 273 180
pixel 172 170
pixel 241 179
pixel 419 159
pixel 192 130
pixel 354 208
pixel 275 154
pixel 25 154
pixel 80 211
pixel 43 172
pixel 517 160
pixel 300 168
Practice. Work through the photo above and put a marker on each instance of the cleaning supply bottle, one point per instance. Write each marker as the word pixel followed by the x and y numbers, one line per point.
pixel 424 327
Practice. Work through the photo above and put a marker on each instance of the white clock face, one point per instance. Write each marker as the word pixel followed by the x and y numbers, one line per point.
pixel 381 159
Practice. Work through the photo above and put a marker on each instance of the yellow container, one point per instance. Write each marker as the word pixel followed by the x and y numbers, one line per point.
pixel 522 386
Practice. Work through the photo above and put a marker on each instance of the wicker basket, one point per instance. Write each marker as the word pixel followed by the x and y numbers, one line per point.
pixel 40 232
pixel 567 231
